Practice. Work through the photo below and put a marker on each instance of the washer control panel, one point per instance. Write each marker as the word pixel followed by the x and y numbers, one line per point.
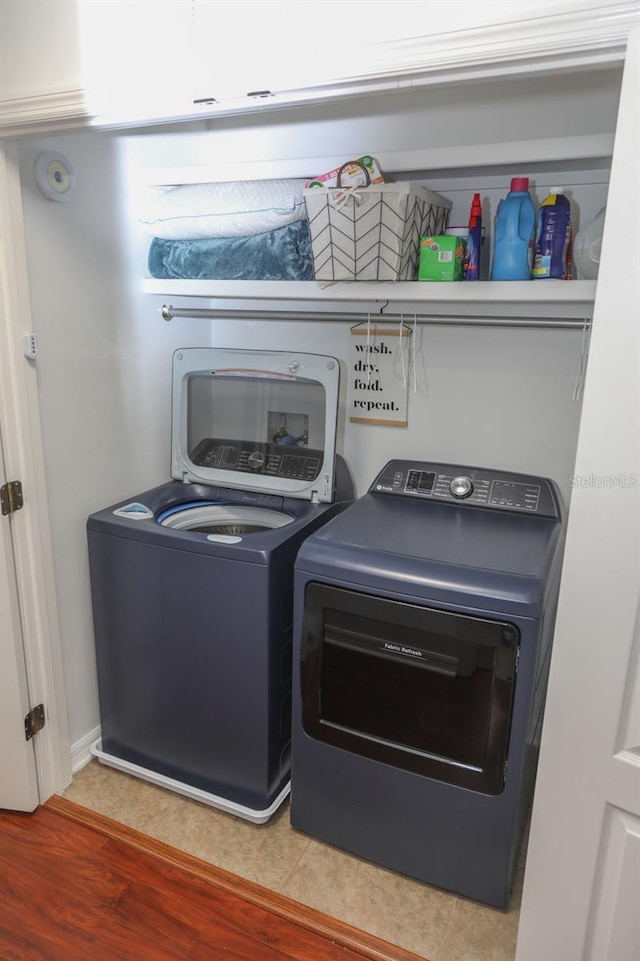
pixel 469 486
pixel 253 458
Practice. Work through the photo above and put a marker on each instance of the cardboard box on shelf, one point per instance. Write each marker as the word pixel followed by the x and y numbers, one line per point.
pixel 441 258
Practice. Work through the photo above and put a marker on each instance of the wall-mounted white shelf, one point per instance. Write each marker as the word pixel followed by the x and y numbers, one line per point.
pixel 424 292
pixel 525 154
pixel 547 298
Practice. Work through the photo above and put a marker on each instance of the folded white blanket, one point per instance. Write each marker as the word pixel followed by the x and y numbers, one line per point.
pixel 230 209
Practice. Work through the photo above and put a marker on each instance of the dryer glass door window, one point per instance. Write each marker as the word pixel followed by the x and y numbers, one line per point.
pixel 422 689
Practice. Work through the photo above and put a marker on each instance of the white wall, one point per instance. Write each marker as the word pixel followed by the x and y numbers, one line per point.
pixel 103 374
pixel 39 47
pixel 485 397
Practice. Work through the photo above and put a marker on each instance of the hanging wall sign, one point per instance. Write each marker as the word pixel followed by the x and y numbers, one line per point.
pixel 378 377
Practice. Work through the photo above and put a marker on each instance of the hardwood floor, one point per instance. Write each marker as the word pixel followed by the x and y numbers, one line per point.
pixel 75 886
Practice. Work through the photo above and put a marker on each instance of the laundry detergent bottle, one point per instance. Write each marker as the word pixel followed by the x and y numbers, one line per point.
pixel 587 248
pixel 514 234
pixel 554 238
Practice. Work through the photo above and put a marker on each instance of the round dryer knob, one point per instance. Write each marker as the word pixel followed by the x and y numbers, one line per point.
pixel 461 487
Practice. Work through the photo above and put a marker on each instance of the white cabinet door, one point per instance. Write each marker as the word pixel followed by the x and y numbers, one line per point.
pixel 284 45
pixel 18 783
pixel 581 895
pixel 137 58
pixel 143 61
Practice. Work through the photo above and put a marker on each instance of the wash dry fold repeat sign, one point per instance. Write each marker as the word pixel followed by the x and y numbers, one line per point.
pixel 379 374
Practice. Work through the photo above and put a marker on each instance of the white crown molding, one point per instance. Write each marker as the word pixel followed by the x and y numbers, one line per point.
pixel 59 109
pixel 577 30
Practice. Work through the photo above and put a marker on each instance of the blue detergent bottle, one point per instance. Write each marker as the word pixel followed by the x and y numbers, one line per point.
pixel 514 233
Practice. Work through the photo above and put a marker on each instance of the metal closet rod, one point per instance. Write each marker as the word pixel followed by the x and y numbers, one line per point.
pixel 458 320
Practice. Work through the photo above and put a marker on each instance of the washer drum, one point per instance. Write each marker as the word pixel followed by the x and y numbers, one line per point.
pixel 223 521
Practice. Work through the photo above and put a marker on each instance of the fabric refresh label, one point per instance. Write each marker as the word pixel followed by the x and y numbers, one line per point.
pixel 401 649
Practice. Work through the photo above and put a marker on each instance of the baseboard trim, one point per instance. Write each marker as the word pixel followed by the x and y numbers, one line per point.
pixel 367 946
pixel 81 749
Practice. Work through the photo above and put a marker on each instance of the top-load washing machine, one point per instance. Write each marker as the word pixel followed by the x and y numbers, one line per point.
pixel 422 637
pixel 192 581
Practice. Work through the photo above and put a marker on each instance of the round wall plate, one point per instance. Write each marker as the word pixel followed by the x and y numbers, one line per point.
pixel 54 176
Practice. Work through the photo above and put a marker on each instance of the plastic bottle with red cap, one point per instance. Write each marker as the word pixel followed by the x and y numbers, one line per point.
pixel 474 240
pixel 514 233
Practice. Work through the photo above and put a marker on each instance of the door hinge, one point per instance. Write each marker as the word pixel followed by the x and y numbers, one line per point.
pixel 11 497
pixel 34 721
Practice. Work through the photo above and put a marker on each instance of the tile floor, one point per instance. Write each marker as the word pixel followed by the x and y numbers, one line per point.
pixel 422 919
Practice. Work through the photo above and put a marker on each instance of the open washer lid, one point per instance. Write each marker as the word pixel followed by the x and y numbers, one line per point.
pixel 255 420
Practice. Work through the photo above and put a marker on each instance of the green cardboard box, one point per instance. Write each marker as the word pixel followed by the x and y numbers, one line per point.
pixel 441 258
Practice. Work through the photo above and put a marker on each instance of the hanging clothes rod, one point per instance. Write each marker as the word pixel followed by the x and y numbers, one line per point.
pixel 458 320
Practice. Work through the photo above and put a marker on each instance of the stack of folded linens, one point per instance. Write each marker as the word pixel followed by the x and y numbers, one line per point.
pixel 245 230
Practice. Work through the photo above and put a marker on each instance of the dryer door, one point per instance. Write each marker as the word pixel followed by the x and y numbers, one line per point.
pixel 420 689
pixel 256 420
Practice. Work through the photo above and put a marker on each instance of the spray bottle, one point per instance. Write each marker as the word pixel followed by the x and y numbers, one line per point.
pixel 474 240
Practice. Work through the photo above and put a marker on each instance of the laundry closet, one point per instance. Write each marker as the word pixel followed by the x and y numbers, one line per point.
pixel 495 372
pixel 497 395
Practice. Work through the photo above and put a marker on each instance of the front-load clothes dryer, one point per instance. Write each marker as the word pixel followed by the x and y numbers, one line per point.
pixel 422 636
pixel 192 581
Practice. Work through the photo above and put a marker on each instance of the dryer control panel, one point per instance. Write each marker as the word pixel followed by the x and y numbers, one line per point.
pixel 469 486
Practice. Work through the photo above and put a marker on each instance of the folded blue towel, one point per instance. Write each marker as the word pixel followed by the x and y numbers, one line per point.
pixel 281 254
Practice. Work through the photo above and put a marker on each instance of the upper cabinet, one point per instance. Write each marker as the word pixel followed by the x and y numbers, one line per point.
pixel 146 63
pixel 291 47
pixel 118 63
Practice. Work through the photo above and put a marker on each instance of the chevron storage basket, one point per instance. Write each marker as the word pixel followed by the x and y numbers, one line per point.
pixel 373 232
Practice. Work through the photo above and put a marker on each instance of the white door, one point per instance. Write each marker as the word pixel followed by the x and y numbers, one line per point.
pixel 29 638
pixel 18 782
pixel 581 899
